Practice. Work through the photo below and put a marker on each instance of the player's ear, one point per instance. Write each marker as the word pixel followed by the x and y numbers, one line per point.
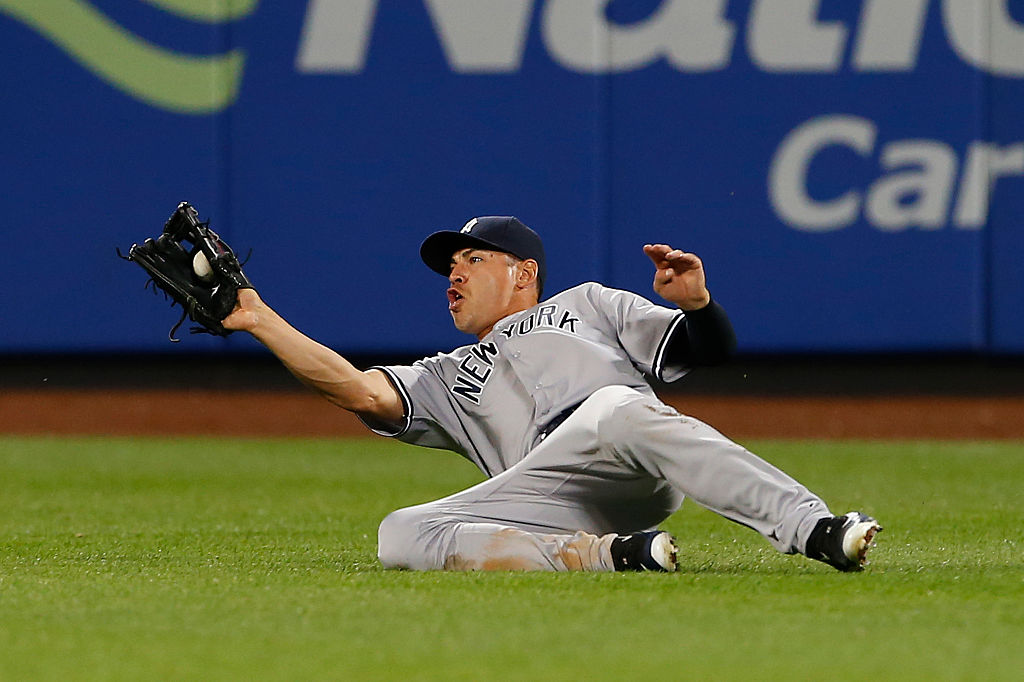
pixel 527 273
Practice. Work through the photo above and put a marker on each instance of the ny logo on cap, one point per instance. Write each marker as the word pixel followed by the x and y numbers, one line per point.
pixel 468 227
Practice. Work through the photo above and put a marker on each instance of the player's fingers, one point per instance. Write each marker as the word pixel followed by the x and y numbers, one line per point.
pixel 679 254
pixel 656 252
pixel 245 315
pixel 248 298
pixel 237 320
pixel 672 256
pixel 683 261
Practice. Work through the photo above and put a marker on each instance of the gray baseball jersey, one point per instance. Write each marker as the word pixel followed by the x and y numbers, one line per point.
pixel 492 401
pixel 622 460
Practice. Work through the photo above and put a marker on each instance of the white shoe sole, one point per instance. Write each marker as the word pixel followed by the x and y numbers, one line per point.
pixel 859 538
pixel 664 551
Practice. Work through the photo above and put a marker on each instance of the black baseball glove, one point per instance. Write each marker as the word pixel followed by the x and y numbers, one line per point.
pixel 193 266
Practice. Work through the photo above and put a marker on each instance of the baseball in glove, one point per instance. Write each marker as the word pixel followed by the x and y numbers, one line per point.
pixel 195 268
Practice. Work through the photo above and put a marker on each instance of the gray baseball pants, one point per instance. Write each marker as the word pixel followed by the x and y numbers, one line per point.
pixel 622 462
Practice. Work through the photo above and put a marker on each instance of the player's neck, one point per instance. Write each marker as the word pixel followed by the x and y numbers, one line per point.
pixel 517 304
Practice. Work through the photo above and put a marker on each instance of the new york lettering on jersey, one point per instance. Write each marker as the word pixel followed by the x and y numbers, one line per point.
pixel 562 350
pixel 474 371
pixel 478 366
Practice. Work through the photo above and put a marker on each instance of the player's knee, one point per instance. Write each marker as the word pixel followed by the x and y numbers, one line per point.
pixel 623 413
pixel 391 536
pixel 628 414
pixel 397 538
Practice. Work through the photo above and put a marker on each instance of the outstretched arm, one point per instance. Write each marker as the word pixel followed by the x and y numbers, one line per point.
pixel 369 394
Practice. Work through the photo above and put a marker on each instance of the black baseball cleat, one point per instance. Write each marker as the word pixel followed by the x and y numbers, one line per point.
pixel 652 550
pixel 843 541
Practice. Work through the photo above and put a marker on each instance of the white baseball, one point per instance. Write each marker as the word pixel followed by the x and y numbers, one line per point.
pixel 201 266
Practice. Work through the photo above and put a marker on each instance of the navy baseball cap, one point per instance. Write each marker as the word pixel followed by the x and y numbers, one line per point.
pixel 506 234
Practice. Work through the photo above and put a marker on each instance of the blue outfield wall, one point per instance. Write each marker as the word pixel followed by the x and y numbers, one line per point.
pixel 851 172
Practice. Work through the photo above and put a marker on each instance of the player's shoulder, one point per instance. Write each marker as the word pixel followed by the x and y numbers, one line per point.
pixel 455 355
pixel 439 362
pixel 594 292
pixel 582 290
pixel 582 296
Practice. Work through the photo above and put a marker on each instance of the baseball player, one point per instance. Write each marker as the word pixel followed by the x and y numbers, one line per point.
pixel 582 460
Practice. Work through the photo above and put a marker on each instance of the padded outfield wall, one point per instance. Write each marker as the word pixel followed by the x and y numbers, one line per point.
pixel 851 172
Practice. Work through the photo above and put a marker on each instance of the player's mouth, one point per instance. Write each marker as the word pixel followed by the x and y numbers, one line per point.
pixel 454 298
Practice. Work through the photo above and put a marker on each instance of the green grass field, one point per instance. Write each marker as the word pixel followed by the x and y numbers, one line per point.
pixel 234 559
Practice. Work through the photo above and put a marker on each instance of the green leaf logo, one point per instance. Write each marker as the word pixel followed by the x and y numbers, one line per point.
pixel 170 80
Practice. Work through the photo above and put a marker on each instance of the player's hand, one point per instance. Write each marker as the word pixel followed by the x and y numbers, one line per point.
pixel 246 314
pixel 679 276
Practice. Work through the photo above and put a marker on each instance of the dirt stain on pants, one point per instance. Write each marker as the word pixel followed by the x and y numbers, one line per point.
pixel 511 549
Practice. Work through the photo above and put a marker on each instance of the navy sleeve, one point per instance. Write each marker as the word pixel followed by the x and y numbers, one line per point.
pixel 706 338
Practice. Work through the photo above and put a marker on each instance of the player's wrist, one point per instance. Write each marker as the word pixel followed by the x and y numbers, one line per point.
pixel 692 304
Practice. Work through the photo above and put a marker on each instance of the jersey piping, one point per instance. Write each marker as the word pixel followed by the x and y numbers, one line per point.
pixel 403 394
pixel 659 356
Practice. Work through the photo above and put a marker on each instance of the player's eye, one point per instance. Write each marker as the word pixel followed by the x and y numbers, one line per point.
pixel 475 259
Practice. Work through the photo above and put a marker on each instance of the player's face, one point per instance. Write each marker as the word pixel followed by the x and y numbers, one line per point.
pixel 483 284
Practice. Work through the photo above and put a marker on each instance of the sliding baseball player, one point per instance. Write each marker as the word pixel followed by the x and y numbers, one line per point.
pixel 550 401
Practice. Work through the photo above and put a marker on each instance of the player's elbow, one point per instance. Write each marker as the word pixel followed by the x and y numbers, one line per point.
pixel 362 404
pixel 372 396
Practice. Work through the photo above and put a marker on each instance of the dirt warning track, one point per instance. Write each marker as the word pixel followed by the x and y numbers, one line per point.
pixel 267 413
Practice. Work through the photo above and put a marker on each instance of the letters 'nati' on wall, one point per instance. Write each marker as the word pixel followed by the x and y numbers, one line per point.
pixel 780 36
